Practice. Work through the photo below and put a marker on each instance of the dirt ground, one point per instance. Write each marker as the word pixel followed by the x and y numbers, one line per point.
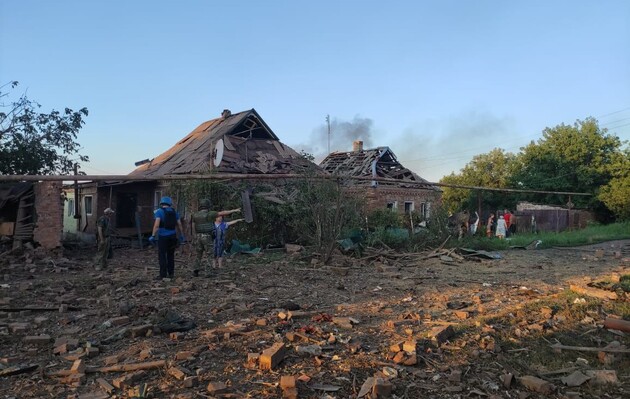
pixel 472 328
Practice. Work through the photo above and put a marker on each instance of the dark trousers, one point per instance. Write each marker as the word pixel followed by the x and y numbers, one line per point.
pixel 166 253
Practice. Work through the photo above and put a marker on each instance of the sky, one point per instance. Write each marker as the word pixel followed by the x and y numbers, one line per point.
pixel 436 81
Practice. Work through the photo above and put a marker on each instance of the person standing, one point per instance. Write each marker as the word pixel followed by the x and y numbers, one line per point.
pixel 508 221
pixel 105 251
pixel 490 225
pixel 165 228
pixel 501 227
pixel 220 228
pixel 203 226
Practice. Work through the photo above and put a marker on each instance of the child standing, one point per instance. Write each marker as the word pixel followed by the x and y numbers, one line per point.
pixel 220 228
pixel 501 227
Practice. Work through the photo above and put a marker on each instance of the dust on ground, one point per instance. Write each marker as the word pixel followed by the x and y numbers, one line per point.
pixel 477 327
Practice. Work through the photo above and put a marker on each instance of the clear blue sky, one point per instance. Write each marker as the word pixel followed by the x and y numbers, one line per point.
pixel 438 82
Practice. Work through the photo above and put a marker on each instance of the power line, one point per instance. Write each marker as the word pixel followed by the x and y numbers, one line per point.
pixel 617 127
pixel 618 120
pixel 613 113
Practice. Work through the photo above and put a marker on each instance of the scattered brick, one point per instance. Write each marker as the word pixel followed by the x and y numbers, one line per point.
pixel 140 331
pixel 177 336
pixel 441 334
pixel 382 388
pixel 184 355
pixel 119 321
pixel 78 367
pixel 106 386
pixel 288 381
pixel 37 339
pixel 216 388
pixel 190 382
pixel 271 357
pixel 177 373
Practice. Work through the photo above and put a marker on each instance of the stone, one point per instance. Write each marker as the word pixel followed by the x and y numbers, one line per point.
pixel 106 386
pixel 190 382
pixel 184 355
pixel 119 321
pixel 141 331
pixel 537 385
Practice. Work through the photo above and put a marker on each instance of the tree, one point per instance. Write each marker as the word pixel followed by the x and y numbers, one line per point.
pixel 616 194
pixel 493 169
pixel 38 143
pixel 578 158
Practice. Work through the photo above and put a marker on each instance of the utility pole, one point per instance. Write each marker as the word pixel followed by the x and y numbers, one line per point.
pixel 328 122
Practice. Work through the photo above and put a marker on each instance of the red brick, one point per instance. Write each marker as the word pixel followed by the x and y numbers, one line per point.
pixel 37 339
pixel 216 388
pixel 271 357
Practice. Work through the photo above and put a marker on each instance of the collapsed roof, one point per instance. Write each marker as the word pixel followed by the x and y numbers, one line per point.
pixel 376 162
pixel 233 143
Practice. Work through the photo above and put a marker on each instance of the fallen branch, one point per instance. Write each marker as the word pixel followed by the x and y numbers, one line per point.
pixel 617 324
pixel 128 367
pixel 589 349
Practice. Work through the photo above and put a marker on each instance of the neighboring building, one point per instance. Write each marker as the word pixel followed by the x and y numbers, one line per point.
pixel 31 212
pixel 234 143
pixel 412 193
pixel 535 217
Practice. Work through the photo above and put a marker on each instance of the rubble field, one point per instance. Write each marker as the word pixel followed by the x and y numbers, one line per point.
pixel 440 324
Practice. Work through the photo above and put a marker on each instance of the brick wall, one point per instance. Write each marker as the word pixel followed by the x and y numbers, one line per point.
pixel 379 197
pixel 48 214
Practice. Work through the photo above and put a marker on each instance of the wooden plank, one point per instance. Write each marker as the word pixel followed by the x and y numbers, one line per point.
pixel 227 143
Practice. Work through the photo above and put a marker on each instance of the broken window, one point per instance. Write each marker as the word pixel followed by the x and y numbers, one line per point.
pixel 409 206
pixel 423 210
pixel 87 204
pixel 392 205
pixel 71 207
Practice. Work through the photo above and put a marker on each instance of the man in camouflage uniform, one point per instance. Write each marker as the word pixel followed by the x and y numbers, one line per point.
pixel 203 226
pixel 103 238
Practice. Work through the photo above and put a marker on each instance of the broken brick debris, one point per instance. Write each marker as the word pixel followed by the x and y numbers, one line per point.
pixel 271 357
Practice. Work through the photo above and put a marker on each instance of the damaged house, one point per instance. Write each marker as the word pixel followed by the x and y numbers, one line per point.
pixel 411 194
pixel 233 143
pixel 30 212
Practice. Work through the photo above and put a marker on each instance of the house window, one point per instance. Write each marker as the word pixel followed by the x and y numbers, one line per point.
pixel 87 201
pixel 71 207
pixel 423 210
pixel 409 206
pixel 393 205
pixel 156 199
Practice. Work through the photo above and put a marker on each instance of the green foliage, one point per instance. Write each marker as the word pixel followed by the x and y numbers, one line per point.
pixel 616 194
pixel 395 238
pixel 383 218
pixel 594 233
pixel 322 211
pixel 38 143
pixel 573 158
pixel 578 157
pixel 485 170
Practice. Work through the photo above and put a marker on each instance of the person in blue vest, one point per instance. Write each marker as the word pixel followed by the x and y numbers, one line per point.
pixel 165 228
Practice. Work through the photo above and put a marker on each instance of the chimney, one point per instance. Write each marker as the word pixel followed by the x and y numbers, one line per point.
pixel 226 113
pixel 357 146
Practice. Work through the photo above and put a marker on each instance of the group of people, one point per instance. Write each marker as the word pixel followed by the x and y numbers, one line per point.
pixel 209 228
pixel 502 226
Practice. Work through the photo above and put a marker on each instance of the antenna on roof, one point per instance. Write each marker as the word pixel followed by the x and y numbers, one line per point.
pixel 328 122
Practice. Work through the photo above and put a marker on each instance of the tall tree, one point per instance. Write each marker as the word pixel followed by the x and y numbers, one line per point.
pixel 37 143
pixel 616 194
pixel 578 157
pixel 492 169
